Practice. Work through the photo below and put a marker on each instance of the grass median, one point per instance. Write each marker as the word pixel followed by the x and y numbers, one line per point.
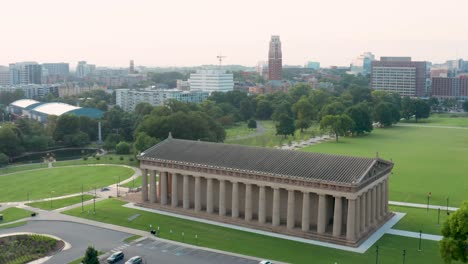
pixel 60 203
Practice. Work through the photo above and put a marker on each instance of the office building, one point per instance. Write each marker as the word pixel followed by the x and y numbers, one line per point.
pixel 211 81
pixel 128 99
pixel 275 61
pixel 56 69
pixel 4 76
pixel 362 64
pixel 25 73
pixel 313 65
pixel 83 69
pixel 333 198
pixel 450 88
pixel 400 75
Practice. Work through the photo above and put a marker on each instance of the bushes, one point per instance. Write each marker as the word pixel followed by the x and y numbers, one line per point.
pixel 25 248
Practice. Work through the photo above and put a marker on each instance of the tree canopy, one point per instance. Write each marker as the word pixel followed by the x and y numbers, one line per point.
pixel 454 245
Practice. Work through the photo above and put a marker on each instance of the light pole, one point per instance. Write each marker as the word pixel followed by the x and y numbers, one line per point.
pixel 447 205
pixel 420 237
pixel 94 199
pixel 428 199
pixel 82 206
pixel 51 192
pixel 404 256
pixel 377 255
pixel 438 216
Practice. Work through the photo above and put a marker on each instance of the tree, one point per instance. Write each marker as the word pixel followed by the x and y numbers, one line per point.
pixel 285 126
pixel 9 141
pixel 3 159
pixel 421 109
pixel 465 106
pixel 282 108
pixel 144 142
pixel 362 118
pixel 407 108
pixel 303 123
pixel 299 90
pixel 339 125
pixel 246 109
pixel 91 256
pixel 383 114
pixel 66 125
pixel 264 109
pixel 252 124
pixel 122 148
pixel 454 244
pixel 335 108
pixel 111 141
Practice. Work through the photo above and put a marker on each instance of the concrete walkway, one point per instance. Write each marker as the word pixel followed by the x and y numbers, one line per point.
pixel 416 205
pixel 414 234
pixel 430 126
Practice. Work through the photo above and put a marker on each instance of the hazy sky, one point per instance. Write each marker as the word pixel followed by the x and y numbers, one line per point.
pixel 193 32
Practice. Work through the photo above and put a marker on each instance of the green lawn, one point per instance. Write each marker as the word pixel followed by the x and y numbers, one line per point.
pixel 238 130
pixel 44 183
pixel 21 223
pixel 18 168
pixel 60 203
pixel 12 214
pixel 445 119
pixel 426 160
pixel 132 238
pixel 270 139
pixel 391 247
pixel 417 219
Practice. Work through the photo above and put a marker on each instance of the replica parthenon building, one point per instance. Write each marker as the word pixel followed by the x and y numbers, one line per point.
pixel 332 198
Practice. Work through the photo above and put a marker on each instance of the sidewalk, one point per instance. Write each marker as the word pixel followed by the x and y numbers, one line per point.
pixel 414 234
pixel 422 206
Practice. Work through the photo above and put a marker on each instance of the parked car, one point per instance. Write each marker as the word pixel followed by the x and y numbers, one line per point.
pixel 105 189
pixel 265 262
pixel 115 257
pixel 135 260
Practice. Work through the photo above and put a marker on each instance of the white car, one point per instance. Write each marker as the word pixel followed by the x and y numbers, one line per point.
pixel 265 262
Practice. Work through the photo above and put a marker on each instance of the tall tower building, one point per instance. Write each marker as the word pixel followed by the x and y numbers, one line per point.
pixel 132 67
pixel 275 62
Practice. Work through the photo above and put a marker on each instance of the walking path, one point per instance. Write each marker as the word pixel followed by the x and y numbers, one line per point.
pixel 414 234
pixel 430 126
pixel 423 206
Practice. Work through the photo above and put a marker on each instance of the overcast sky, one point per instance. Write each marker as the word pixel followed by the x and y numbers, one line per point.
pixel 194 32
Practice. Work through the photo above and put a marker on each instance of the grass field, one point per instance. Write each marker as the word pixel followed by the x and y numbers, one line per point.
pixel 12 214
pixel 390 247
pixel 269 138
pixel 18 168
pixel 445 119
pixel 426 160
pixel 417 219
pixel 21 223
pixel 44 183
pixel 238 130
pixel 60 203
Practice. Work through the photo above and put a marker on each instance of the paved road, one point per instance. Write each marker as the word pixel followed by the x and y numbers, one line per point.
pixel 105 240
pixel 78 235
pixel 156 251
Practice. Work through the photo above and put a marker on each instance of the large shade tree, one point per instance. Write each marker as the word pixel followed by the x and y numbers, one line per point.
pixel 454 245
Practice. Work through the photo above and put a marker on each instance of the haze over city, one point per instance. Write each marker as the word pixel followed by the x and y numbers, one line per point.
pixel 184 33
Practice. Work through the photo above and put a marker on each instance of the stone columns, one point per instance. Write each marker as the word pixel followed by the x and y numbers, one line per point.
pixel 322 214
pixel 368 209
pixel 144 185
pixel 248 202
pixel 261 205
pixel 152 192
pixel 209 196
pixel 235 200
pixel 197 193
pixel 305 212
pixel 186 198
pixel 363 213
pixel 350 221
pixel 163 176
pixel 174 196
pixel 222 197
pixel 357 222
pixel 386 194
pixel 337 216
pixel 373 207
pixel 290 221
pixel 276 207
pixel 378 212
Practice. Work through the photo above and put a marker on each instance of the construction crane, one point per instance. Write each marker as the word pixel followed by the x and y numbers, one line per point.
pixel 220 58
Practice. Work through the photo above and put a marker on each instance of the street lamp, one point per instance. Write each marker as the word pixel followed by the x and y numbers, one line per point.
pixel 377 254
pixel 428 198
pixel 404 256
pixel 448 205
pixel 51 192
pixel 420 237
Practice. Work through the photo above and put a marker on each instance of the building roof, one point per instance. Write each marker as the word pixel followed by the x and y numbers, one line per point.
pixel 54 108
pixel 89 112
pixel 283 163
pixel 23 103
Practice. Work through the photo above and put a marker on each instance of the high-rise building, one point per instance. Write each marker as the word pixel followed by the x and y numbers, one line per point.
pixel 453 88
pixel 131 70
pixel 211 81
pixel 128 99
pixel 25 73
pixel 61 69
pixel 313 65
pixel 275 61
pixel 400 75
pixel 4 76
pixel 362 64
pixel 83 69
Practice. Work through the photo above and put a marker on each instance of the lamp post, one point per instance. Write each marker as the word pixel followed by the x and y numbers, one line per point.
pixel 438 216
pixel 82 206
pixel 404 256
pixel 448 205
pixel 420 238
pixel 428 198
pixel 94 200
pixel 51 192
pixel 377 255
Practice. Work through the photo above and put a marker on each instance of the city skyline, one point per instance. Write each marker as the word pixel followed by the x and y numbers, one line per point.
pixel 154 34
